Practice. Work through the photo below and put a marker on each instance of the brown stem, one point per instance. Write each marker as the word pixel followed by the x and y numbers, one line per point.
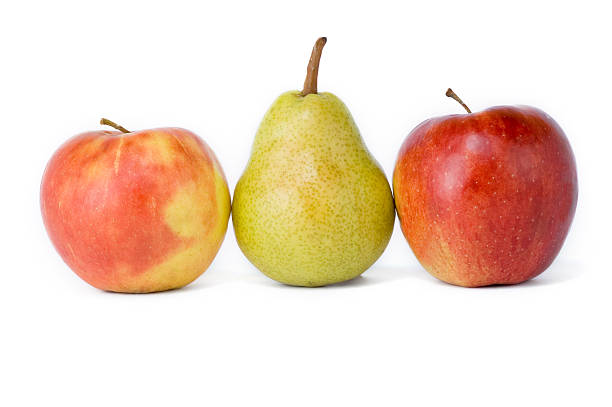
pixel 453 95
pixel 114 125
pixel 312 72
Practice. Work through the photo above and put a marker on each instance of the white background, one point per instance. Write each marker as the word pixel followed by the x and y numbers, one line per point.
pixel 395 336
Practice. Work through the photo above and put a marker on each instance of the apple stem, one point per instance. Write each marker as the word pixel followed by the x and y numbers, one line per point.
pixel 312 72
pixel 453 95
pixel 114 125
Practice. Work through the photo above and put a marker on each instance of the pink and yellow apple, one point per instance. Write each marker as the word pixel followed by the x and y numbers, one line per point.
pixel 486 198
pixel 136 211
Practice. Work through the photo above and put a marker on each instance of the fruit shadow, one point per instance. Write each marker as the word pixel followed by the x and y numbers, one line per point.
pixel 201 283
pixel 376 275
pixel 559 272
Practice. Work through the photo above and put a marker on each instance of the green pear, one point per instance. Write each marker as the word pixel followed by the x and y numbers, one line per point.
pixel 313 206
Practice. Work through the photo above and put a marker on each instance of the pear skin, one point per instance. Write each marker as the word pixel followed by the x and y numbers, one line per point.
pixel 313 207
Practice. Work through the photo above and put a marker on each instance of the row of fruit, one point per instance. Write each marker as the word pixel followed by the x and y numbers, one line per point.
pixel 483 198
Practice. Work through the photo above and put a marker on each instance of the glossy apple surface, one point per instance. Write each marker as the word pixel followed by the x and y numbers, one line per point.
pixel 137 212
pixel 486 198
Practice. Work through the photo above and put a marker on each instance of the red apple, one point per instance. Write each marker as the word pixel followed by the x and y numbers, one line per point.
pixel 136 212
pixel 486 198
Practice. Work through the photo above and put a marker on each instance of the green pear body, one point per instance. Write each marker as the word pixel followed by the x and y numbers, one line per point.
pixel 313 207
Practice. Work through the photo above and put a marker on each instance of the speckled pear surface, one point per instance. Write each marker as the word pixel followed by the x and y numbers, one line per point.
pixel 313 207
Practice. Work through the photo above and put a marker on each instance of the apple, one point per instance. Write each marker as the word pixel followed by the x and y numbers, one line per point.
pixel 135 212
pixel 486 198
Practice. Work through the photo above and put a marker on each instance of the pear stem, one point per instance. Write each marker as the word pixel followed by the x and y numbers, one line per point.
pixel 453 95
pixel 114 125
pixel 312 72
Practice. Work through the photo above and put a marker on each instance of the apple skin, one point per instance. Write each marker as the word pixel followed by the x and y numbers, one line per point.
pixel 486 198
pixel 138 212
